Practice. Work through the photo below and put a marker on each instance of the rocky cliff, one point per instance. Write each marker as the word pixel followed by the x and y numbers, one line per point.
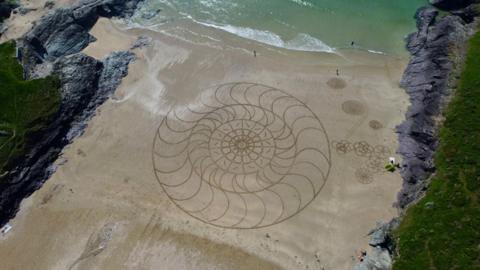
pixel 437 50
pixel 53 46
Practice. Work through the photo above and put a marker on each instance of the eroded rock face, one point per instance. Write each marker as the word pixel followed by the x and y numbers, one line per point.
pixel 469 13
pixel 6 8
pixel 65 31
pixel 53 47
pixel 435 48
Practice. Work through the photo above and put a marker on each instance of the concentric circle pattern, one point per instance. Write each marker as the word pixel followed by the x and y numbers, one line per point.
pixel 243 156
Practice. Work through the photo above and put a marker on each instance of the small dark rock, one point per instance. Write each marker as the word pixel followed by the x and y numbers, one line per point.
pixel 151 14
pixel 23 10
pixel 49 4
pixel 142 41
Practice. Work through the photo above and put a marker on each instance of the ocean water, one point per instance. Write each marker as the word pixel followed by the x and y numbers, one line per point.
pixel 307 25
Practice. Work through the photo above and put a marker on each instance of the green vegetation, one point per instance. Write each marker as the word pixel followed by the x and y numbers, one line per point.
pixel 442 231
pixel 26 107
pixel 390 167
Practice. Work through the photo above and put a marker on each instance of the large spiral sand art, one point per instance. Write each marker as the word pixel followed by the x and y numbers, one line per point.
pixel 243 156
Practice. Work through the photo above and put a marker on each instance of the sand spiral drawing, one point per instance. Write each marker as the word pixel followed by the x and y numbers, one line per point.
pixel 243 156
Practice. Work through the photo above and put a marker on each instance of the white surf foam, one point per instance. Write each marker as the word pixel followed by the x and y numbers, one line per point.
pixel 302 42
pixel 375 52
pixel 302 2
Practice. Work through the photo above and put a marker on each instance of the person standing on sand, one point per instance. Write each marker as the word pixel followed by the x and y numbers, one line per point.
pixel 254 53
pixel 338 73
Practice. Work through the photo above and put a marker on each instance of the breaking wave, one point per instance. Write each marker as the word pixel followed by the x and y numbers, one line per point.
pixel 302 42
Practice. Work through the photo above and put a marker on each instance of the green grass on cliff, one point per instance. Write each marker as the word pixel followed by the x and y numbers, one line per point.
pixel 442 231
pixel 26 107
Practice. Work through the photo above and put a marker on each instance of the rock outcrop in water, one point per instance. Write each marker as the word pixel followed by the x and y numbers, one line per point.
pixel 53 46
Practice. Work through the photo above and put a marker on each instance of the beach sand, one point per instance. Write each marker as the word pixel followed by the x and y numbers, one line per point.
pixel 107 208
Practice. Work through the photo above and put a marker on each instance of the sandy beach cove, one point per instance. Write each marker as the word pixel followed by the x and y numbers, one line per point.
pixel 208 157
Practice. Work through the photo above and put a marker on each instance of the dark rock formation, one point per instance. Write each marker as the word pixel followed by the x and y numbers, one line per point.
pixel 23 10
pixel 55 42
pixel 436 48
pixel 381 241
pixel 469 13
pixel 6 8
pixel 452 4
pixel 114 68
pixel 49 4
pixel 382 237
pixel 376 259
pixel 65 31
pixel 142 41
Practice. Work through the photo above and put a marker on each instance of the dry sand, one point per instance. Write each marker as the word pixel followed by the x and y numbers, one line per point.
pixel 106 208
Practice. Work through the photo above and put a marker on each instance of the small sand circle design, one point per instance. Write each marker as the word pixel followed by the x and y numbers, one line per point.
pixel 364 176
pixel 353 107
pixel 336 83
pixel 376 125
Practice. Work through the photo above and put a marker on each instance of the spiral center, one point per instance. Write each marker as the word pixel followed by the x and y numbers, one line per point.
pixel 242 145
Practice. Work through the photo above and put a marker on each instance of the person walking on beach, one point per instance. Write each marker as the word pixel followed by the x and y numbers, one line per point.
pixel 338 73
pixel 254 53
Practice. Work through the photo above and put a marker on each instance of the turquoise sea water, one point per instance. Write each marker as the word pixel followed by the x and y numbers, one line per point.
pixel 310 25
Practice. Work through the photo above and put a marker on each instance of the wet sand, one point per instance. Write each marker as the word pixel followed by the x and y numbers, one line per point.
pixel 108 207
